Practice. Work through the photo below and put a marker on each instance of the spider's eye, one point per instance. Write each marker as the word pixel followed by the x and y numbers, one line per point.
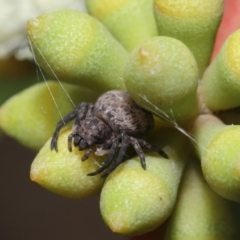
pixel 83 144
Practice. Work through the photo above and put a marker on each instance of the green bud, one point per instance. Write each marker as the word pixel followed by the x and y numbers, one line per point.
pixel 218 146
pixel 64 172
pixel 31 115
pixel 195 23
pixel 200 213
pixel 77 49
pixel 220 85
pixel 130 21
pixel 161 75
pixel 135 201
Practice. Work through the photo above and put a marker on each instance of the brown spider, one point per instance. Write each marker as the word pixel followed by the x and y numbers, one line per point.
pixel 114 121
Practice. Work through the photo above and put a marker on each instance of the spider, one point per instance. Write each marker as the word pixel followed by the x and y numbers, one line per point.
pixel 113 123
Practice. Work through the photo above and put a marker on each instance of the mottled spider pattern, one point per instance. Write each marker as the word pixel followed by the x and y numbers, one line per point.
pixel 113 123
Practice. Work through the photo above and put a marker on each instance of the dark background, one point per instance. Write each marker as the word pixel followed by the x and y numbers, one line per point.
pixel 27 211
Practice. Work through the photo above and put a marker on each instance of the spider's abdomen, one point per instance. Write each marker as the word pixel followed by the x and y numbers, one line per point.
pixel 117 109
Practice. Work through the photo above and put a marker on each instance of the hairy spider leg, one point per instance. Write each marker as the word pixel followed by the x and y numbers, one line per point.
pixel 87 154
pixel 68 118
pixel 70 138
pixel 139 151
pixel 135 142
pixel 152 147
pixel 125 140
pixel 137 145
pixel 79 111
pixel 110 157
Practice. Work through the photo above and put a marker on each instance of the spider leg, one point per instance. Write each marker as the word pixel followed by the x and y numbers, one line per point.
pixel 110 157
pixel 125 143
pixel 87 154
pixel 83 108
pixel 152 147
pixel 139 151
pixel 70 138
pixel 60 124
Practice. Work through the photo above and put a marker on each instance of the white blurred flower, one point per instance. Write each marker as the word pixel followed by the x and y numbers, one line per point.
pixel 14 15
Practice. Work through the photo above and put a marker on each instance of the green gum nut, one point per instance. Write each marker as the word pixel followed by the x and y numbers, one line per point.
pixel 161 75
pixel 31 115
pixel 64 172
pixel 195 23
pixel 200 213
pixel 130 21
pixel 220 87
pixel 77 49
pixel 219 147
pixel 135 201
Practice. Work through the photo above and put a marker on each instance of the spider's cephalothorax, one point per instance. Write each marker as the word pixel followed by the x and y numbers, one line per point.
pixel 115 121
